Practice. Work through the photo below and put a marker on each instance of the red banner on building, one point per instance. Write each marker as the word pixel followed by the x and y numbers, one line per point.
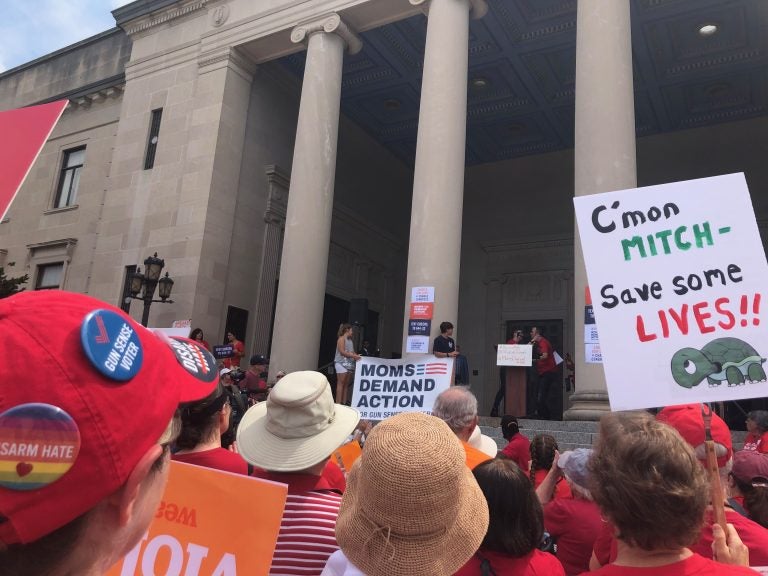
pixel 23 132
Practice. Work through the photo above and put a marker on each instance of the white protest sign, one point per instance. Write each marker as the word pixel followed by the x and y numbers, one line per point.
pixel 417 345
pixel 423 294
pixel 384 388
pixel 677 274
pixel 514 355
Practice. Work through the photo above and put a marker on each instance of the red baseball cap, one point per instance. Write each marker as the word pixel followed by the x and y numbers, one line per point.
pixel 689 422
pixel 86 392
pixel 751 467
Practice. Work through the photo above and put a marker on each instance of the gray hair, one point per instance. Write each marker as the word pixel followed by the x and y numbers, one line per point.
pixel 457 406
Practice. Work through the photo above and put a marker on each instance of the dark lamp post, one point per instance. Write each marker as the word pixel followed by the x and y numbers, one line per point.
pixel 147 282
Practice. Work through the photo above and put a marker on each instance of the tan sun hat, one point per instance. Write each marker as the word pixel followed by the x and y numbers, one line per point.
pixel 297 427
pixel 411 505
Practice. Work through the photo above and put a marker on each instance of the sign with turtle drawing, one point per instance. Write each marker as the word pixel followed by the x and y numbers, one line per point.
pixel 679 286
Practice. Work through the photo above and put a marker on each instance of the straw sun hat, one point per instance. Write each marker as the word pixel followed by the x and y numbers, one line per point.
pixel 411 505
pixel 297 427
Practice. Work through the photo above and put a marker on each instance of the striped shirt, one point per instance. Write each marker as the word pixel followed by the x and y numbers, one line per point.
pixel 308 531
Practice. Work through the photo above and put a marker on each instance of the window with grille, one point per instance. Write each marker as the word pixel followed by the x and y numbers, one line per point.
pixel 154 132
pixel 69 179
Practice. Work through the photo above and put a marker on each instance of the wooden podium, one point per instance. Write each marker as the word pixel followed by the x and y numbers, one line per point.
pixel 514 394
pixel 514 360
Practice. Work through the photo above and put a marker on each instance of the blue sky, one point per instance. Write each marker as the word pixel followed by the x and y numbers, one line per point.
pixel 32 28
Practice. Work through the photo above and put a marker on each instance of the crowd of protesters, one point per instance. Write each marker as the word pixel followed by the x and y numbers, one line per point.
pixel 427 495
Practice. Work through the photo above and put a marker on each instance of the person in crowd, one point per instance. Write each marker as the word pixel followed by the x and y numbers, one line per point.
pixel 649 484
pixel 516 527
pixel 457 406
pixel 411 505
pixel 757 431
pixel 344 362
pixel 517 338
pixel 574 522
pixel 256 378
pixel 238 351
pixel 290 438
pixel 365 349
pixel 546 369
pixel 238 403
pixel 518 448
pixel 202 425
pixel 444 345
pixel 748 486
pixel 85 455
pixel 543 451
pixel 689 422
pixel 197 335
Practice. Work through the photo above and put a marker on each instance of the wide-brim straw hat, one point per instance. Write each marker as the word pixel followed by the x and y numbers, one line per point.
pixel 411 505
pixel 297 427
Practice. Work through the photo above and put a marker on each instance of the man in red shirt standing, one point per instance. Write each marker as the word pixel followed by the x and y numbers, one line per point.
pixel 546 368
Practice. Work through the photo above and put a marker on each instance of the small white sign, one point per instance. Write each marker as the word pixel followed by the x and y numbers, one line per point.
pixel 679 286
pixel 592 353
pixel 182 323
pixel 590 334
pixel 423 294
pixel 417 345
pixel 514 355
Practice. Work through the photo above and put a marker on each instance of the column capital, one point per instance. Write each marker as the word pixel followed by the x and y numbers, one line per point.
pixel 478 8
pixel 329 24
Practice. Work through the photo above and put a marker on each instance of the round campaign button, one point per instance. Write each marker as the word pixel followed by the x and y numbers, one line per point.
pixel 39 443
pixel 195 359
pixel 111 344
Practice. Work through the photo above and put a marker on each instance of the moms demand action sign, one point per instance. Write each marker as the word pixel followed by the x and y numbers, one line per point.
pixel 384 388
pixel 678 280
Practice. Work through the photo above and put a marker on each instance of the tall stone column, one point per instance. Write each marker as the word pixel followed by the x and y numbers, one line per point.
pixel 299 311
pixel 604 154
pixel 434 250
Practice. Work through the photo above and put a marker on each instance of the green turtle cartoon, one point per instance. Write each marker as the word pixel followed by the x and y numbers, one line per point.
pixel 723 359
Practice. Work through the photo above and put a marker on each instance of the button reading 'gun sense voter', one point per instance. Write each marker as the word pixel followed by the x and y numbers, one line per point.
pixel 111 344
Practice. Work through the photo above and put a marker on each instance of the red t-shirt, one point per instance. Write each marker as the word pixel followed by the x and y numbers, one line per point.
pixel 519 450
pixel 562 490
pixel 254 382
pixel 237 348
pixel 218 458
pixel 334 476
pixel 545 364
pixel 756 443
pixel 535 563
pixel 754 536
pixel 575 525
pixel 692 566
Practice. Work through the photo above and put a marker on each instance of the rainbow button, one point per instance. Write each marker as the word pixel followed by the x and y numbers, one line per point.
pixel 39 443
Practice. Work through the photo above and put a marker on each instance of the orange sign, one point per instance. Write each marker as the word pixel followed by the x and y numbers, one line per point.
pixel 347 454
pixel 422 310
pixel 209 522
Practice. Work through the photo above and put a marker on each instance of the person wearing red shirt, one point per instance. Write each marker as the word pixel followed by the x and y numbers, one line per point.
pixel 197 335
pixel 573 522
pixel 757 431
pixel 238 351
pixel 516 526
pixel 518 448
pixel 546 368
pixel 649 484
pixel 202 424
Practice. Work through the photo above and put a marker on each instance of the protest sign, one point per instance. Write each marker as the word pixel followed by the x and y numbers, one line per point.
pixel 423 294
pixel 514 355
pixel 417 345
pixel 419 327
pixel 346 455
pixel 384 388
pixel 29 127
pixel 422 310
pixel 678 276
pixel 592 353
pixel 223 351
pixel 195 535
pixel 185 323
